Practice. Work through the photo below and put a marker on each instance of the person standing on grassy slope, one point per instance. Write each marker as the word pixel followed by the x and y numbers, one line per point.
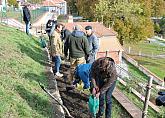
pixel 104 76
pixel 26 17
pixel 78 47
pixel 50 26
pixel 93 44
pixel 56 48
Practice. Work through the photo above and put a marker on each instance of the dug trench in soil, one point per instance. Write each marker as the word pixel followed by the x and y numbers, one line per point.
pixel 73 100
pixel 76 102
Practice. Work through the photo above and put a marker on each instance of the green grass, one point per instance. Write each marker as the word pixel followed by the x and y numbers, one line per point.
pixel 21 67
pixel 155 65
pixel 146 48
pixel 134 98
pixel 138 102
pixel 118 111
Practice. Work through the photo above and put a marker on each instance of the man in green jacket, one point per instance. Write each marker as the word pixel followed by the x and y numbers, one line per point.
pixel 78 47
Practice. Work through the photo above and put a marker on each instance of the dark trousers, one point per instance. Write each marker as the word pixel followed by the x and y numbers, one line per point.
pixel 107 96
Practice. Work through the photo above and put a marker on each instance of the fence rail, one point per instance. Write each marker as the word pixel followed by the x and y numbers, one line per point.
pixel 144 54
pixel 18 14
pixel 143 69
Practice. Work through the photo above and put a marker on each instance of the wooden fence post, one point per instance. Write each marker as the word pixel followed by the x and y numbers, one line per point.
pixel 106 53
pixel 152 54
pixel 129 50
pixel 147 97
pixel 140 53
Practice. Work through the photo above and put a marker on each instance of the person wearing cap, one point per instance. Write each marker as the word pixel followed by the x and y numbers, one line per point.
pixel 93 44
pixel 26 17
pixel 78 47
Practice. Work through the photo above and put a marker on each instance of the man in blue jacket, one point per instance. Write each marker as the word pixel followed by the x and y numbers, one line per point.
pixel 93 44
pixel 82 73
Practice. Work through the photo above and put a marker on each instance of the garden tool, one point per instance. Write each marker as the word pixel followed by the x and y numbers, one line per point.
pixel 64 107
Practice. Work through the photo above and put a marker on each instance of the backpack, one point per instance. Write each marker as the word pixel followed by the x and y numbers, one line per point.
pixel 65 34
pixel 49 25
pixel 160 100
pixel 42 42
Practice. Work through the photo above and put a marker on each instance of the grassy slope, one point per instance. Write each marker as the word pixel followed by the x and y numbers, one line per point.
pixel 21 66
pixel 135 99
pixel 155 65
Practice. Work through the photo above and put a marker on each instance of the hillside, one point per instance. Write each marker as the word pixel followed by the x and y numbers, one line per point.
pixel 21 67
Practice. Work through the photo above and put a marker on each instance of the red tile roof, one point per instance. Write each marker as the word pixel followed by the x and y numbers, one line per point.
pixel 52 2
pixel 108 37
pixel 99 29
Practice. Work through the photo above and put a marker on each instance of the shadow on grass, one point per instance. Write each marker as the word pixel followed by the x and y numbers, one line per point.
pixel 35 53
pixel 38 78
pixel 37 103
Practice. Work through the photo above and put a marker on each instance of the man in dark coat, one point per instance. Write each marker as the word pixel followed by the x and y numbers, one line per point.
pixel 26 18
pixel 78 47
pixel 93 44
pixel 104 76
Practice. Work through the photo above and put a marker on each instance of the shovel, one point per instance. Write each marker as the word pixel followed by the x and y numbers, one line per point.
pixel 65 109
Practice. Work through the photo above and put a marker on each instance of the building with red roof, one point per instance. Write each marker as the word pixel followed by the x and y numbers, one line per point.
pixel 57 6
pixel 109 44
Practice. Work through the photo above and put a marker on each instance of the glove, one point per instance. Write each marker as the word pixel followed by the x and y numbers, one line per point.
pixel 95 91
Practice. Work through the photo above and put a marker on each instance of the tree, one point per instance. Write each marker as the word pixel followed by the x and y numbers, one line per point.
pixel 131 19
pixel 12 2
pixel 35 1
pixel 157 28
pixel 162 26
pixel 72 8
pixel 102 9
pixel 86 8
pixel 158 8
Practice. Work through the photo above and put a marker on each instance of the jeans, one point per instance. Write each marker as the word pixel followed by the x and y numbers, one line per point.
pixel 57 61
pixel 91 58
pixel 108 96
pixel 27 27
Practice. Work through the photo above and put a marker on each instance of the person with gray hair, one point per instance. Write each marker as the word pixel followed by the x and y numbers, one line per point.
pixel 78 47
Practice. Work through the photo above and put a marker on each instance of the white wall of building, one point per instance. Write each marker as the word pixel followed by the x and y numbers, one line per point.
pixel 60 8
pixel 0 7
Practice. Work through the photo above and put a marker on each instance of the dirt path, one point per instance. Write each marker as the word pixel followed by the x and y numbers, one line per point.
pixel 43 19
pixel 75 101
